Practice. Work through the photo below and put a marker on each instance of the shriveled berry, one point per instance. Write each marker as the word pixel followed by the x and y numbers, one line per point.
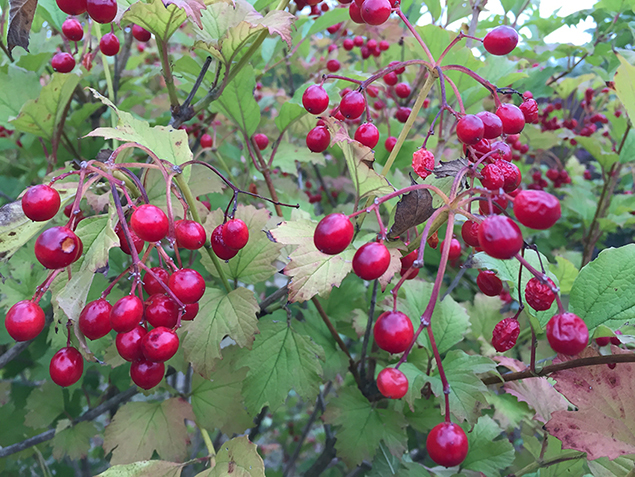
pixel 371 261
pixel 333 234
pixel 537 209
pixel 149 222
pixel 499 204
pixel 511 175
pixel 567 334
pixel 67 366
pixel 94 320
pixel 41 202
pixel 393 331
pixel 469 233
pixel 538 295
pixel 492 177
pixel 505 334
pixel 423 162
pixel 447 444
pixel 530 111
pixel 500 237
pixel 24 320
pixel 392 383
pixel 501 40
pixel 489 283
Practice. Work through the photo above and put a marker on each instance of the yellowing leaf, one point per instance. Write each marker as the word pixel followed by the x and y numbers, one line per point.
pixel 237 457
pixel 146 468
pixel 159 19
pixel 625 85
pixel 73 441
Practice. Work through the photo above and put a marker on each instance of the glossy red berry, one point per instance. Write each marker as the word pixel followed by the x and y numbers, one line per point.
pixel 567 334
pixel 149 223
pixel 348 44
pixel 505 334
pixel 529 109
pixel 500 237
pixel 72 29
pixel 375 12
pixel 492 177
pixel 315 99
pixel 423 162
pixel 140 33
pixel 455 249
pixel 371 260
pixel 367 134
pixel 512 118
pixel 67 366
pixel 358 40
pixel 161 310
pixel 503 151
pixel 492 125
pixel 187 284
pixel 406 264
pixel 126 313
pixel 102 11
pixel 41 202
pixel 57 247
pixel 402 114
pixel 499 204
pixel 469 233
pixel 390 142
pixel 501 40
pixel 189 234
pixel 72 7
pixel 537 209
pixel 355 13
pixel 191 310
pixel 383 45
pixel 262 141
pixel 109 44
pixel 333 65
pixel 489 283
pixel 206 141
pixel 123 242
pixel 353 105
pixel 392 383
pixel 447 444
pixel 63 62
pixel 129 344
pixel 538 295
pixel 221 250
pixel 94 320
pixel 318 139
pixel 470 129
pixel 402 90
pixel 235 234
pixel 146 374
pixel 159 344
pixel 333 234
pixel 24 320
pixel 393 331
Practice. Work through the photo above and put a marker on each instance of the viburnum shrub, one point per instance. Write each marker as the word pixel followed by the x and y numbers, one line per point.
pixel 315 238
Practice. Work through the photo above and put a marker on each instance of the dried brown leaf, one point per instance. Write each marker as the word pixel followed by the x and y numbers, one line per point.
pixel 20 20
pixel 413 209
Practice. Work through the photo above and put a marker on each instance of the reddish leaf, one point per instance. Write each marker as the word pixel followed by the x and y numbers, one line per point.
pixel 20 20
pixel 192 8
pixel 604 424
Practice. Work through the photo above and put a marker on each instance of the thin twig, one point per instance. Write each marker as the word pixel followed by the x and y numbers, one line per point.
pixel 369 326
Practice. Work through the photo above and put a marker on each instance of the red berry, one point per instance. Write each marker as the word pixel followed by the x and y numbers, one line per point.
pixel 391 78
pixel 187 284
pixel 505 334
pixel 492 177
pixel 146 374
pixel 159 344
pixel 500 237
pixel 140 33
pixel 191 310
pixel 615 340
pixel 358 40
pixel 72 29
pixel 536 209
pixel 469 232
pixel 553 174
pixel 501 40
pixel 94 320
pixel 399 70
pixel 149 223
pixel 423 162
pixel 315 100
pixel 353 104
pixel 348 44
pixel 455 249
pixel 489 283
pixel 371 43
pixel 567 334
pixel 102 11
pixel 161 310
pixel 406 264
pixel 67 366
pixel 318 139
pixel 392 383
pixel 126 313
pixel 492 124
pixel 235 234
pixel 24 320
pixel 383 45
pixel 206 141
pixel 504 152
pixel 602 340
pixel 512 118
pixel 355 14
pixel 511 175
pixel 539 295
pixel 333 66
pixel 189 234
pixel 371 261
pixel 129 344
pixel 499 204
pixel 262 141
pixel 447 444
pixel 41 202
pixel 109 44
pixel 367 134
pixel 470 129
pixel 63 62
pixel 390 142
pixel 403 90
pixel 123 242
pixel 402 114
pixel 221 250
pixel 333 234
pixel 72 7
pixel 530 111
pixel 57 247
pixel 375 12
pixel 393 331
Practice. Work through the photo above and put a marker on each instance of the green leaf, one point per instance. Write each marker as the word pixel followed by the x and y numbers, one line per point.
pixel 238 104
pixel 466 389
pixel 625 85
pixel 140 428
pixel 484 313
pixel 255 262
pixel 361 427
pixel 434 7
pixel 594 147
pixel 237 457
pixel 18 87
pixel 287 155
pixel 166 142
pixel 289 112
pixel 73 441
pixel 44 405
pixel 98 237
pixel 281 360
pixel 159 19
pixel 42 116
pixel 487 454
pixel 603 291
pixel 146 468
pixel 220 314
pixel 449 319
pixel 566 273
pixel 217 403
